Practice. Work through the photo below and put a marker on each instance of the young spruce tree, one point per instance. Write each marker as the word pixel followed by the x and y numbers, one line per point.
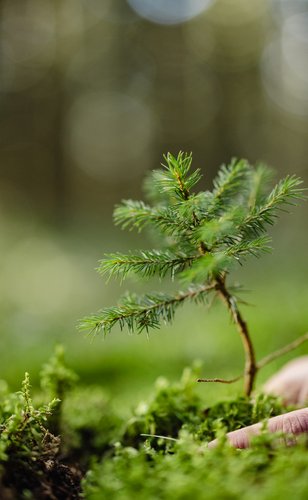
pixel 205 234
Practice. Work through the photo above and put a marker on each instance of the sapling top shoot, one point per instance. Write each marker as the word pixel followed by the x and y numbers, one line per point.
pixel 203 235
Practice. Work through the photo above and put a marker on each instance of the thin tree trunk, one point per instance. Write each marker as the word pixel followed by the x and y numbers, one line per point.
pixel 250 359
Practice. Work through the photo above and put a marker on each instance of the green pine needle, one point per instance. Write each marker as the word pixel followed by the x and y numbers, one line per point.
pixel 260 177
pixel 284 193
pixel 205 235
pixel 134 214
pixel 230 184
pixel 207 267
pixel 137 215
pixel 253 247
pixel 147 263
pixel 175 179
pixel 145 312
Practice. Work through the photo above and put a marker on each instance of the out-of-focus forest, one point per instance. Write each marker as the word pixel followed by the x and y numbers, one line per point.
pixel 93 92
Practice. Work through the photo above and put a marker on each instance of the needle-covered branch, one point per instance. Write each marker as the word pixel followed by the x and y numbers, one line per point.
pixel 175 178
pixel 145 312
pixel 146 263
pixel 138 215
pixel 229 184
pixel 284 193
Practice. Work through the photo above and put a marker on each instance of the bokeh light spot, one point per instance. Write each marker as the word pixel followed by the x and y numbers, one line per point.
pixel 169 11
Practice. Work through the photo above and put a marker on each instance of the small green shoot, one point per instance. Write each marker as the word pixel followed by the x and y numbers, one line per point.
pixel 205 235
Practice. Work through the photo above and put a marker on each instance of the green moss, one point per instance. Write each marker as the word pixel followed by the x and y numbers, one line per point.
pixel 174 407
pixel 266 471
pixel 175 463
pixel 160 452
pixel 89 424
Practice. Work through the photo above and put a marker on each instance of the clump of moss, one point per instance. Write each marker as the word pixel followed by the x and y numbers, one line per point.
pixel 175 407
pixel 266 471
pixel 29 452
pixel 235 414
pixel 160 452
pixel 45 448
pixel 163 451
pixel 171 407
pixel 89 425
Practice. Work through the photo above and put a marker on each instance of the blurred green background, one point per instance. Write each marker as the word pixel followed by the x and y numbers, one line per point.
pixel 93 92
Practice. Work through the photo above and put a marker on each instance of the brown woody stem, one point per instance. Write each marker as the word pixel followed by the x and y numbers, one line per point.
pixel 250 359
pixel 283 350
pixel 221 380
pixel 264 361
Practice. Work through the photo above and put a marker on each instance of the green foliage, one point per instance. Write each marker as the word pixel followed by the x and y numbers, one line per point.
pixel 235 414
pixel 177 407
pixel 163 451
pixel 22 426
pixel 160 452
pixel 26 445
pixel 175 179
pixel 89 424
pixel 56 377
pixel 266 472
pixel 205 234
pixel 146 264
pixel 142 313
pixel 229 184
pixel 31 453
pixel 56 381
pixel 171 407
pixel 84 416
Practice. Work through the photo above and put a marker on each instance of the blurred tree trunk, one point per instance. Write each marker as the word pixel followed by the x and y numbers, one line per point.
pixel 60 174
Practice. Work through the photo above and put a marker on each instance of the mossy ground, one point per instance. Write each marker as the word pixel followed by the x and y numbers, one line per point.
pixel 84 447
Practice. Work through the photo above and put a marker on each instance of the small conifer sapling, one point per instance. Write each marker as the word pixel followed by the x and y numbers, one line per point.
pixel 204 235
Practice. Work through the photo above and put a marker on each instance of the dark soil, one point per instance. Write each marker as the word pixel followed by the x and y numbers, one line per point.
pixel 49 479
